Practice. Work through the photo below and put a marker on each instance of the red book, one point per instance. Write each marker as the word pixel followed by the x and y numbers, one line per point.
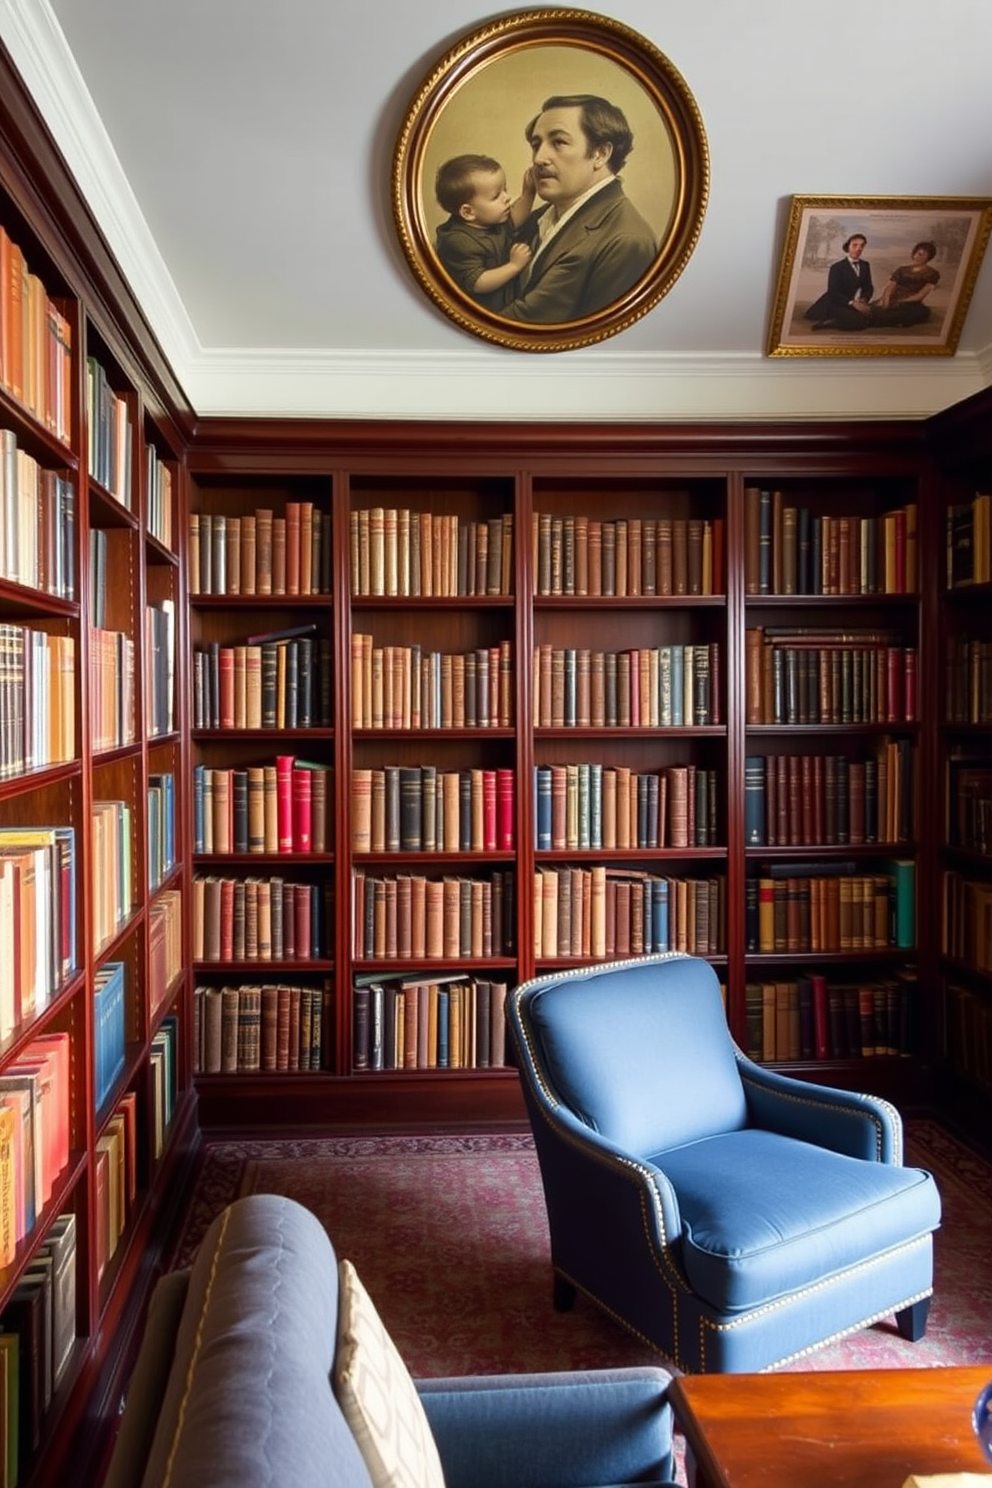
pixel 227 919
pixel 909 684
pixel 292 547
pixel 284 802
pixel 489 831
pixel 301 908
pixel 226 668
pixel 504 810
pixel 894 684
pixel 302 829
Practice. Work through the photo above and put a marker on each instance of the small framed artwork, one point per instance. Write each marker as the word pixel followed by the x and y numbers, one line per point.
pixel 550 179
pixel 877 276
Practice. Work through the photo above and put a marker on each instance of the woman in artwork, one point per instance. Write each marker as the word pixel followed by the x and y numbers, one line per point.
pixel 901 302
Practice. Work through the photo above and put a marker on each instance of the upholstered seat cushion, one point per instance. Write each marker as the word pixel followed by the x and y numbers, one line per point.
pixel 764 1215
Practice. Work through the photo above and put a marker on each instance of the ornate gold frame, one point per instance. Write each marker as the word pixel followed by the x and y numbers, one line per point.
pixel 491 67
pixel 819 225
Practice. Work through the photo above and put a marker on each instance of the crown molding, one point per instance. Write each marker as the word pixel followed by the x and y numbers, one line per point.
pixel 593 386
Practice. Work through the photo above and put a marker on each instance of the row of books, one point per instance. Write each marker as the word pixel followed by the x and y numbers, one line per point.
pixel 969 1033
pixel 35 1085
pixel 968 684
pixel 268 1026
pixel 112 857
pixel 591 805
pixel 809 676
pixel 969 803
pixel 422 808
pixel 37 699
pixel 37 1335
pixel 793 550
pixel 37 522
pixel 262 552
pixel 598 912
pixel 276 680
pixel 826 800
pixel 671 686
pixel 112 688
pixel 628 556
pixel 799 907
pixel 967 920
pixel 116 1177
pixel 403 553
pixel 160 668
pixel 109 1028
pixel 406 687
pixel 260 919
pixel 35 343
pixel 161 821
pixel 37 919
pixel 160 505
pixel 968 542
pixel 813 1017
pixel 110 434
pixel 448 1022
pixel 408 916
pixel 165 946
pixel 163 1061
pixel 283 807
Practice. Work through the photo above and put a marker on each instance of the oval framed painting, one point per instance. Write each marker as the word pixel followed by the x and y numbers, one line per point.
pixel 550 179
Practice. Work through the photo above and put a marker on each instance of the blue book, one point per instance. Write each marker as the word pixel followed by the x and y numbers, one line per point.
pixel 595 805
pixel 678 686
pixel 659 914
pixel 903 874
pixel 442 1028
pixel 542 806
pixel 754 800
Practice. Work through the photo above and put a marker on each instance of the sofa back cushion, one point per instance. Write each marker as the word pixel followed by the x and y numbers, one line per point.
pixel 638 1050
pixel 249 1402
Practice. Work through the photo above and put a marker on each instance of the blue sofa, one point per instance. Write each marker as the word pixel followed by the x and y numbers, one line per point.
pixel 233 1386
pixel 732 1217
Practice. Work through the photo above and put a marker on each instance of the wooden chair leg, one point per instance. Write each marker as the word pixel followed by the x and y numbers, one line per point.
pixel 564 1294
pixel 912 1321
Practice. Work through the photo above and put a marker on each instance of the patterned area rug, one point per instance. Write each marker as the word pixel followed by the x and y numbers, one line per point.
pixel 450 1236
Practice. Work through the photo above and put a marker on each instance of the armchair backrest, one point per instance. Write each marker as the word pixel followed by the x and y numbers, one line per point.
pixel 639 1051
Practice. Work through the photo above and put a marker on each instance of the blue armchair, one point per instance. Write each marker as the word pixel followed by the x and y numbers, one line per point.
pixel 733 1218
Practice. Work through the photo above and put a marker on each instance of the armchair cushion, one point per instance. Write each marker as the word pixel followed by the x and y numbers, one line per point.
pixel 764 1215
pixel 377 1396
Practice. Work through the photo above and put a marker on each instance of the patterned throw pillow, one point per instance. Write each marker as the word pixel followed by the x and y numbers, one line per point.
pixel 378 1397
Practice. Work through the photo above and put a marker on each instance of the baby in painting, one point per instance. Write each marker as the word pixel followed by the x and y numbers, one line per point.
pixel 483 244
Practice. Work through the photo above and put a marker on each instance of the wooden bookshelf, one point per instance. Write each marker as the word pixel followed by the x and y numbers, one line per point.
pixel 389 623
pixel 81 568
pixel 962 844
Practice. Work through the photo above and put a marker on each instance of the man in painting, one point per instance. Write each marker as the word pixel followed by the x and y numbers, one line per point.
pixel 846 304
pixel 591 245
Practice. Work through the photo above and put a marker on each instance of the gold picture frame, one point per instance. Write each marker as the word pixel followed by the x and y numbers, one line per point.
pixel 479 100
pixel 922 256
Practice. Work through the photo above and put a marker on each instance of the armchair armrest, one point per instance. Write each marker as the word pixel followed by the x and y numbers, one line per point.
pixel 588 1175
pixel 567 1430
pixel 862 1126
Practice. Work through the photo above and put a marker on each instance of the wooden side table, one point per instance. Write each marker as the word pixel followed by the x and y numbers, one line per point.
pixel 850 1429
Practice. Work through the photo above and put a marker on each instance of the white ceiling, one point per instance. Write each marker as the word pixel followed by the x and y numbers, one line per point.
pixel 237 156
